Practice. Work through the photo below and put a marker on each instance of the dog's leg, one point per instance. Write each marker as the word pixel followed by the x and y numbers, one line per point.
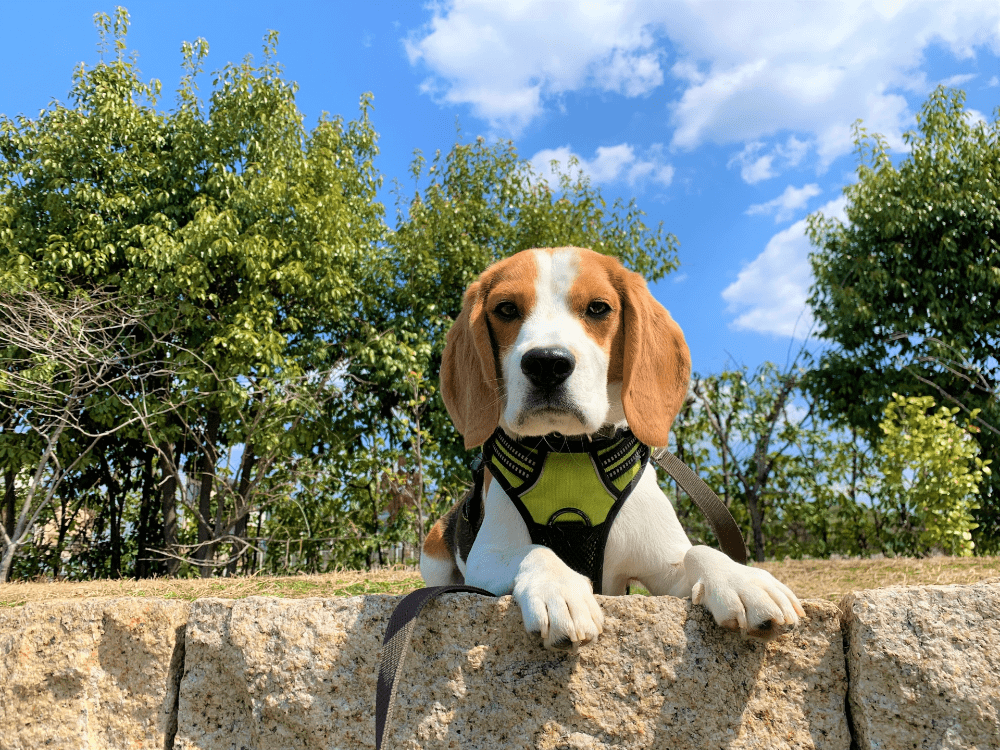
pixel 439 558
pixel 647 542
pixel 555 601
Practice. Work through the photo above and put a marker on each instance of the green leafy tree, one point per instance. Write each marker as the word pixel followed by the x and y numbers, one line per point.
pixel 909 287
pixel 480 203
pixel 250 233
pixel 740 429
pixel 304 340
pixel 817 490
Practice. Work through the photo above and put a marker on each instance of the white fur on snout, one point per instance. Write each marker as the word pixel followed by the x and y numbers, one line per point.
pixel 556 602
pixel 551 323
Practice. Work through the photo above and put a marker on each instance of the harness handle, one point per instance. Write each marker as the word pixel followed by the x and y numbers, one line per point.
pixel 575 511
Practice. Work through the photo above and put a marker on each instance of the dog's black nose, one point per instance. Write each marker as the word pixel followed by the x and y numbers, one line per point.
pixel 548 366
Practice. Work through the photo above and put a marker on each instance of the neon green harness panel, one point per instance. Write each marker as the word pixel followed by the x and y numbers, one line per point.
pixel 568 480
pixel 586 475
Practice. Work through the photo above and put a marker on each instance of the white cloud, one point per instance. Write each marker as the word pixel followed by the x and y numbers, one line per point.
pixel 785 205
pixel 770 293
pixel 506 59
pixel 756 166
pixel 749 71
pixel 814 67
pixel 610 164
pixel 957 81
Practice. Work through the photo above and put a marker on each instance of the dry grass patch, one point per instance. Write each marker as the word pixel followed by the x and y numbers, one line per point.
pixel 832 579
pixel 342 583
pixel 809 579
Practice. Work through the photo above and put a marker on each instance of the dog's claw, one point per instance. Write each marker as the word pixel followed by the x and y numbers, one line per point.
pixel 765 631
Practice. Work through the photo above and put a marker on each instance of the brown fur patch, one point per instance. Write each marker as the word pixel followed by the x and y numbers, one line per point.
pixel 594 284
pixel 470 380
pixel 656 363
pixel 512 280
pixel 434 543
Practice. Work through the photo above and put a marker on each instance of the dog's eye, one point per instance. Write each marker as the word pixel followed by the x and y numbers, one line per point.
pixel 507 311
pixel 598 309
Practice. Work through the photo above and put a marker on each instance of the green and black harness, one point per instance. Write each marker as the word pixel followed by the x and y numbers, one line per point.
pixel 568 490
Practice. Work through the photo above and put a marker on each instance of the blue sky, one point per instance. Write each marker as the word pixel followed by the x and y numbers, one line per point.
pixel 728 122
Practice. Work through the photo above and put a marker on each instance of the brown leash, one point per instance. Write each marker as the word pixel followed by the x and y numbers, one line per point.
pixel 398 633
pixel 721 520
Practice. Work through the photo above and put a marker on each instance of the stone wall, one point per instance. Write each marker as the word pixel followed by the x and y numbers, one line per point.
pixel 890 668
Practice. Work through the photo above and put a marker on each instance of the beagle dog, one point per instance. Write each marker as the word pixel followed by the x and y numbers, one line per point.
pixel 564 346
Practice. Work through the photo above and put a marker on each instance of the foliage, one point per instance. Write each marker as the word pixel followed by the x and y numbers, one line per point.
pixel 741 431
pixel 247 231
pixel 481 203
pixel 759 441
pixel 931 470
pixel 270 402
pixel 909 287
pixel 299 422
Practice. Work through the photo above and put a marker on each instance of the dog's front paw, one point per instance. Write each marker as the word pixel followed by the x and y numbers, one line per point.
pixel 750 600
pixel 556 602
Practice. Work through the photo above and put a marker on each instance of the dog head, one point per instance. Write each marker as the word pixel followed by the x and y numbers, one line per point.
pixel 563 340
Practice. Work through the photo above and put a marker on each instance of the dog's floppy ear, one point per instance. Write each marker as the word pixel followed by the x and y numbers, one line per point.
pixel 469 381
pixel 656 363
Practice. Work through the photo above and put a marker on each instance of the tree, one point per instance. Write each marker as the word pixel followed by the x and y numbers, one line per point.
pixel 738 430
pixel 909 288
pixel 60 362
pixel 803 487
pixel 304 339
pixel 481 203
pixel 252 234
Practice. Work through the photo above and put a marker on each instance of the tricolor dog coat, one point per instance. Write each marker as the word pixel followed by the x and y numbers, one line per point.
pixel 559 348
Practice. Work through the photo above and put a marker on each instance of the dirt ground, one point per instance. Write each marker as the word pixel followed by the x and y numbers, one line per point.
pixel 809 579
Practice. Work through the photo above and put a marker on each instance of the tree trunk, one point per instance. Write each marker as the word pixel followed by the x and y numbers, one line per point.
pixel 9 501
pixel 63 522
pixel 241 510
pixel 206 550
pixel 757 525
pixel 143 566
pixel 7 552
pixel 6 562
pixel 114 516
pixel 168 502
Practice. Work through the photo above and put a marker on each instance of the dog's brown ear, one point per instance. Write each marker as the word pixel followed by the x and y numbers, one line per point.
pixel 469 381
pixel 656 363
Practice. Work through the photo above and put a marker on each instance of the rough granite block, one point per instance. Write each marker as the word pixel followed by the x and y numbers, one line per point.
pixel 93 673
pixel 265 673
pixel 925 666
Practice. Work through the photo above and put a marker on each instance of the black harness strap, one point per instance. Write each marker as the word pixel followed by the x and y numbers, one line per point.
pixel 400 629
